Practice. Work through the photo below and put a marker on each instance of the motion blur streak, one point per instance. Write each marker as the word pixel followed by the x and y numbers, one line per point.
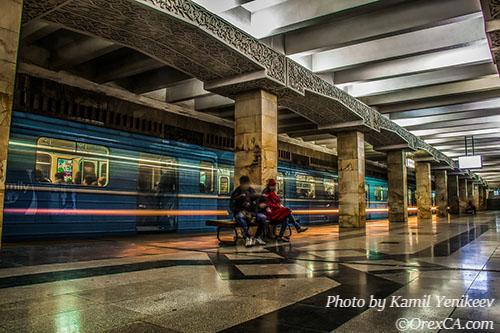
pixel 138 212
pixel 336 211
pixel 160 212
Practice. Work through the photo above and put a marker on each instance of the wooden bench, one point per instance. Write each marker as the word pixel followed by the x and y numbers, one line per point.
pixel 231 224
pixel 224 224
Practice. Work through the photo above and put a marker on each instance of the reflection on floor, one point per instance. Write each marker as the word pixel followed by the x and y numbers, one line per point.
pixel 188 283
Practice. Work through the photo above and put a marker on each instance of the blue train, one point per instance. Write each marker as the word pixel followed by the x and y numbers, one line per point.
pixel 70 179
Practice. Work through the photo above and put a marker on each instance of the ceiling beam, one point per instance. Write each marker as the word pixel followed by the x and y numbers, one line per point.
pixel 367 26
pixel 493 103
pixel 411 43
pixel 376 87
pixel 470 117
pixel 490 82
pixel 187 89
pixel 439 101
pixel 36 30
pixel 212 101
pixel 152 80
pixel 131 65
pixel 268 20
pixel 468 55
pixel 80 51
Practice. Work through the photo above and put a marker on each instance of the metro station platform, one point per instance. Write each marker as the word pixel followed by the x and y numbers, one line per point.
pixel 187 283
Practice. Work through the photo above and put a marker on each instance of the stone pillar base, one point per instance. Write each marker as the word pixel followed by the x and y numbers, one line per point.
pixel 351 164
pixel 463 195
pixel 397 198
pixel 424 190
pixel 441 179
pixel 453 201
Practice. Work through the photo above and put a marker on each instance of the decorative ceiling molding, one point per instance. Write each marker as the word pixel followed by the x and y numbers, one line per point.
pixel 491 13
pixel 186 36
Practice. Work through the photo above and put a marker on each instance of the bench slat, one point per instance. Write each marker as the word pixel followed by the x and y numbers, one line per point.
pixel 221 223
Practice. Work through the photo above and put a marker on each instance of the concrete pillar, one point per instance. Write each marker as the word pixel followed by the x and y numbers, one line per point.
pixel 10 24
pixel 476 201
pixel 424 190
pixel 351 171
pixel 256 136
pixel 397 186
pixel 453 201
pixel 484 192
pixel 470 191
pixel 441 182
pixel 462 191
pixel 481 200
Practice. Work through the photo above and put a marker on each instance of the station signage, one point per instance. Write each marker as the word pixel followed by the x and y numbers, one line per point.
pixel 410 163
pixel 470 162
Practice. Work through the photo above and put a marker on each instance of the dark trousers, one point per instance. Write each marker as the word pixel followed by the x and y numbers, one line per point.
pixel 288 220
pixel 244 221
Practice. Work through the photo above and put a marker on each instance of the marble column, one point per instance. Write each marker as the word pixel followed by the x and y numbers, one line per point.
pixel 470 191
pixel 441 182
pixel 486 194
pixel 256 137
pixel 481 205
pixel 453 201
pixel 476 200
pixel 462 189
pixel 424 190
pixel 10 22
pixel 351 171
pixel 397 199
pixel 485 198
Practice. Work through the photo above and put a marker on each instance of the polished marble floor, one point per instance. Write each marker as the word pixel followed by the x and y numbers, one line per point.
pixel 187 283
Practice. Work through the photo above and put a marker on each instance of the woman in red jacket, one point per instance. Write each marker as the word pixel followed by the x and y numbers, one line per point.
pixel 277 213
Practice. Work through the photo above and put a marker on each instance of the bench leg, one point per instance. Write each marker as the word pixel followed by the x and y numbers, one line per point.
pixel 235 238
pixel 227 242
pixel 271 231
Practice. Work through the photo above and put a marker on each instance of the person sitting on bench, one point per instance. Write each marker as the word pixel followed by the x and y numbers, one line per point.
pixel 276 212
pixel 470 208
pixel 244 205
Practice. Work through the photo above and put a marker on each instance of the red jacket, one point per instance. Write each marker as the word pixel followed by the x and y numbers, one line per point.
pixel 274 211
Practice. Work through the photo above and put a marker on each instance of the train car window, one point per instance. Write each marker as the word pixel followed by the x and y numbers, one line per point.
pixel 64 173
pixel 157 173
pixel 67 162
pixel 330 188
pixel 224 181
pixel 206 177
pixel 280 182
pixel 43 167
pixel 306 186
pixel 379 193
pixel 367 192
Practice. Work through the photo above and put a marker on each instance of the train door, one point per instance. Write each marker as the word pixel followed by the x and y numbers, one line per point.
pixel 280 188
pixel 157 200
pixel 330 187
pixel 224 181
pixel 224 186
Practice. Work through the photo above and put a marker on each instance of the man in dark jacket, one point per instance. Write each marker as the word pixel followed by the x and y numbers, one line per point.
pixel 244 205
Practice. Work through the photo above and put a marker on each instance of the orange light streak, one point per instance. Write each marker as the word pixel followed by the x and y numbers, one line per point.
pixel 160 212
pixel 336 211
pixel 120 212
pixel 315 211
